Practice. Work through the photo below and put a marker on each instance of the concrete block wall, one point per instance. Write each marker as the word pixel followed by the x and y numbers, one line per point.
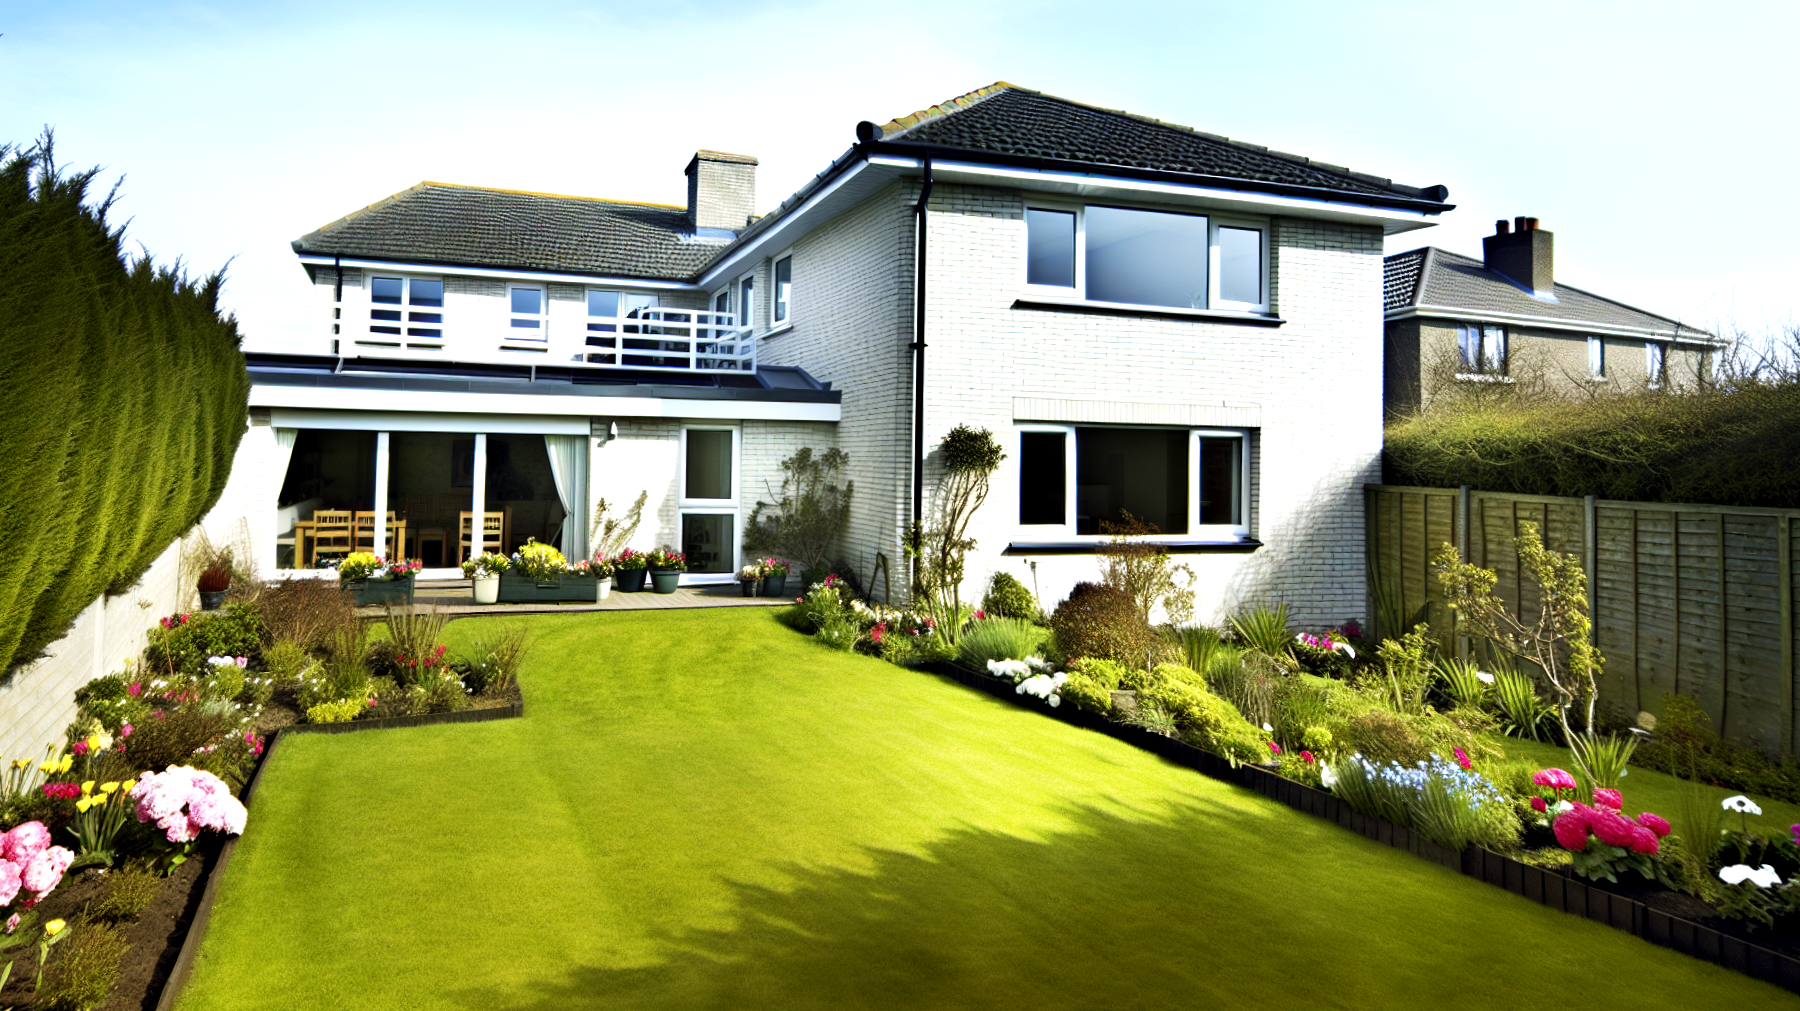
pixel 38 703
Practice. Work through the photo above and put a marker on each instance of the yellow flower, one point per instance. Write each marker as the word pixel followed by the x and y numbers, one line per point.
pixel 87 787
pixel 93 743
pixel 86 802
pixel 46 767
pixel 108 787
pixel 22 763
pixel 68 763
pixel 55 927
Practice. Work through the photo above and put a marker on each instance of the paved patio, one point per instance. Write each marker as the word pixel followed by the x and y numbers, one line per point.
pixel 456 597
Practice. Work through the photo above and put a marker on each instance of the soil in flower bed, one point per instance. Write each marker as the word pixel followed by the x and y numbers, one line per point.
pixel 155 937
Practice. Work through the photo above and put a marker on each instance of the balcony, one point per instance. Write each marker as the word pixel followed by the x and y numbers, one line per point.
pixel 643 339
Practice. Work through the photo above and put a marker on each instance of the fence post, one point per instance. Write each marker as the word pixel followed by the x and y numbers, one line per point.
pixel 1784 568
pixel 1590 540
pixel 1462 550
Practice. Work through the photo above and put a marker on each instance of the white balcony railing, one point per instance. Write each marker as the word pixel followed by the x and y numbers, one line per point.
pixel 644 339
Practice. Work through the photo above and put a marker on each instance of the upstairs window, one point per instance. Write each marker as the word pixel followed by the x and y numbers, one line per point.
pixel 528 309
pixel 606 308
pixel 784 290
pixel 411 307
pixel 1188 482
pixel 1136 257
pixel 1596 358
pixel 1483 348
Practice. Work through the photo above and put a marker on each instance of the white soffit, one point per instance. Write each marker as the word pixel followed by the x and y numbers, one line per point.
pixel 475 412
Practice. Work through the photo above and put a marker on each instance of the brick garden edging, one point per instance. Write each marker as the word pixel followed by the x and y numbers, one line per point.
pixel 190 945
pixel 1548 888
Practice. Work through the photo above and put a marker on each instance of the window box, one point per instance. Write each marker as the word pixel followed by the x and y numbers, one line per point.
pixel 520 589
pixel 368 592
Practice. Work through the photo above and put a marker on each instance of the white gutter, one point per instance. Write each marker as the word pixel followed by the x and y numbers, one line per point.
pixel 1547 323
pixel 456 408
pixel 402 266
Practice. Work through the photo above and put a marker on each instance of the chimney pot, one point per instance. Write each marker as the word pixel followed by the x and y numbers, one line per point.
pixel 1531 223
pixel 1519 223
pixel 1501 227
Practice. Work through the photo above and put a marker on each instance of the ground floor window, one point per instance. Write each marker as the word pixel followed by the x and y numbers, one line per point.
pixel 1187 482
pixel 709 498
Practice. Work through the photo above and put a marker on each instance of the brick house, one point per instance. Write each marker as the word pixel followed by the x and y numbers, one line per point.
pixel 1454 320
pixel 1149 318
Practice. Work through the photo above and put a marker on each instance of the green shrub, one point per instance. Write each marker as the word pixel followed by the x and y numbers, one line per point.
pixel 999 639
pixel 1686 745
pixel 491 665
pixel 287 660
pixel 1103 622
pixel 305 612
pixel 1086 693
pixel 1008 598
pixel 1204 719
pixel 345 672
pixel 1265 629
pixel 336 712
pixel 125 400
pixel 109 700
pixel 222 682
pixel 172 735
pixel 1248 680
pixel 440 692
pixel 907 650
pixel 1090 683
pixel 126 893
pixel 1381 736
pixel 1199 643
pixel 85 970
pixel 184 649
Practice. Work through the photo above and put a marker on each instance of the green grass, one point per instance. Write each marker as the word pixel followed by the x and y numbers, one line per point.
pixel 706 810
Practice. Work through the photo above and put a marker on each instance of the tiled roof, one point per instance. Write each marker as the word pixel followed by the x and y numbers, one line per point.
pixel 1006 119
pixel 474 226
pixel 1444 280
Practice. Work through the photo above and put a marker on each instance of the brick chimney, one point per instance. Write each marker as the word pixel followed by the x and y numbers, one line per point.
pixel 1523 254
pixel 721 190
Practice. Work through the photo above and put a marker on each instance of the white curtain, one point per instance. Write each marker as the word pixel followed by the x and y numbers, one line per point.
pixel 568 465
pixel 284 451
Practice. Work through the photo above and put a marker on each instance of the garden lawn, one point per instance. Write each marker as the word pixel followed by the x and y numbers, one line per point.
pixel 1649 790
pixel 706 810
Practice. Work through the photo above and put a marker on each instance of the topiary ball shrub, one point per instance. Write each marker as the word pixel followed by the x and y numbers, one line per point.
pixel 1102 622
pixel 1008 598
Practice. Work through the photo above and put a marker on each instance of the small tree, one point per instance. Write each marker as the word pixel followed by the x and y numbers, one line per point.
pixel 811 510
pixel 938 551
pixel 610 534
pixel 1142 569
pixel 1558 642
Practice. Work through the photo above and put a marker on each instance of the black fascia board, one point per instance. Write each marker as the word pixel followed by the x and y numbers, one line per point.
pixel 915 149
pixel 291 377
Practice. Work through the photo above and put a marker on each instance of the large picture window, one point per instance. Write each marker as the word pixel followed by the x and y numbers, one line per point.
pixel 1138 257
pixel 1191 483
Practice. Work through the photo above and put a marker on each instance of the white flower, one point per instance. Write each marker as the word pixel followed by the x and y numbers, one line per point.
pixel 1624 772
pixel 1484 677
pixel 1268 729
pixel 1345 648
pixel 1762 877
pixel 1741 804
pixel 1562 807
pixel 1327 777
pixel 1014 669
pixel 1054 700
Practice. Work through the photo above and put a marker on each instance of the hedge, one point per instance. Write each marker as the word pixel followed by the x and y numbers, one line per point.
pixel 1733 447
pixel 124 401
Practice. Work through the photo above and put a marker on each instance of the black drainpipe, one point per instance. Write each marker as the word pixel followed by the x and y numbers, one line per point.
pixel 918 349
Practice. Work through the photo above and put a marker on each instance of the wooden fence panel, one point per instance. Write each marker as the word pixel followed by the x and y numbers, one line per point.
pixel 1695 599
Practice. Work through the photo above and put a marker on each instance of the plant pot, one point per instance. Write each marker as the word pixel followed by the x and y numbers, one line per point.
pixel 773 586
pixel 630 580
pixel 602 589
pixel 665 580
pixel 747 587
pixel 487 589
pixel 565 588
pixel 212 600
pixel 364 592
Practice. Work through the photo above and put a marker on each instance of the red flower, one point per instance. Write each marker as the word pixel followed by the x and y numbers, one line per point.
pixel 1609 798
pixel 79 748
pixel 979 615
pixel 1654 824
pixel 1538 805
pixel 1615 829
pixel 1571 831
pixel 1462 757
pixel 1306 756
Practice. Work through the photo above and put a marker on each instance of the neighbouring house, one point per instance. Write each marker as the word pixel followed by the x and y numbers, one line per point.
pixel 1453 320
pixel 1151 319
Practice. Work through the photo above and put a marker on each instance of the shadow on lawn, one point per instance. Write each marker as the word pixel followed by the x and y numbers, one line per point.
pixel 1110 913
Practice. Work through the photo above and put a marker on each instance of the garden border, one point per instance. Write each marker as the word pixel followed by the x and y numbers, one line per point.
pixel 1535 884
pixel 190 945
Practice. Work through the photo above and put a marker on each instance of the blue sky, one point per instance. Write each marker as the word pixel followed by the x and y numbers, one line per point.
pixel 1656 140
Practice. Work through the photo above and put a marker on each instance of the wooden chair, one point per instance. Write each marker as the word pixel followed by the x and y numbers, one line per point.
pixel 493 533
pixel 333 532
pixel 396 534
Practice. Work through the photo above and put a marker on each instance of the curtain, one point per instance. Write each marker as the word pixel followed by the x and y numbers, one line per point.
pixel 568 465
pixel 284 451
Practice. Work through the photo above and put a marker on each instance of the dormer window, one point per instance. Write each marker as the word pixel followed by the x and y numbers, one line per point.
pixel 409 307
pixel 1128 256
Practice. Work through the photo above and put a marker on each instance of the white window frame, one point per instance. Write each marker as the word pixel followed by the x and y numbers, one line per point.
pixel 525 337
pixel 714 507
pixel 746 307
pixel 1656 363
pixel 405 309
pixel 775 290
pixel 1214 221
pixel 1596 352
pixel 1065 531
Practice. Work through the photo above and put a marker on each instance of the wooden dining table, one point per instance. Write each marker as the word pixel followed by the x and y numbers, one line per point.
pixel 304 529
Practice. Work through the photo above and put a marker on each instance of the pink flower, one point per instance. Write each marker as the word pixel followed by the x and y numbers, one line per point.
pixel 45 872
pixel 1654 824
pixel 9 888
pixel 26 840
pixel 125 731
pixel 1538 805
pixel 979 615
pixel 1462 757
pixel 242 662
pixel 134 689
pixel 1274 748
pixel 1307 757
pixel 1609 798
pixel 1642 840
pixel 80 748
pixel 1556 779
pixel 12 922
pixel 1614 829
pixel 1571 831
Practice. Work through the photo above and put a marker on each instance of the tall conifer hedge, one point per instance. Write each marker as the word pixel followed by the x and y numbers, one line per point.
pixel 122 400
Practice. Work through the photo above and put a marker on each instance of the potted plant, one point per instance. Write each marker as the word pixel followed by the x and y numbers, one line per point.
pixel 748 577
pixel 666 568
pixel 629 569
pixel 483 572
pixel 774 577
pixel 602 569
pixel 540 573
pixel 373 580
pixel 213 583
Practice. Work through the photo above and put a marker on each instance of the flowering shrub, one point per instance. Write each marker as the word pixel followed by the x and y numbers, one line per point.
pixel 628 559
pixel 1452 806
pixel 1043 686
pixel 1604 841
pixel 357 565
pixel 485 564
pixel 29 864
pixel 536 560
pixel 180 645
pixel 664 560
pixel 182 801
pixel 1329 653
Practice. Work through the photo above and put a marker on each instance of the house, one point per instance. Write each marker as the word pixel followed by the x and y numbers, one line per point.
pixel 1151 320
pixel 1453 320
